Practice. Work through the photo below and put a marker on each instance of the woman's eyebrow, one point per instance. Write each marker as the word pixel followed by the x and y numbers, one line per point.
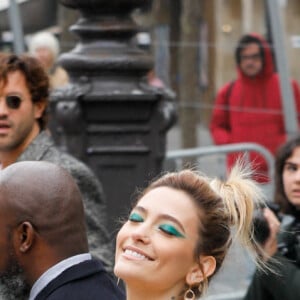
pixel 140 208
pixel 171 218
pixel 161 216
pixel 290 163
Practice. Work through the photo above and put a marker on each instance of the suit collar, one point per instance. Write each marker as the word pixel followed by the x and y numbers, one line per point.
pixel 81 270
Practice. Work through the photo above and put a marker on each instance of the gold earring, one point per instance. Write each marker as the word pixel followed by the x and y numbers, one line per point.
pixel 189 295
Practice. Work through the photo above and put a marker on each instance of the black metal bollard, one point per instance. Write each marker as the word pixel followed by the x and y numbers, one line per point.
pixel 108 116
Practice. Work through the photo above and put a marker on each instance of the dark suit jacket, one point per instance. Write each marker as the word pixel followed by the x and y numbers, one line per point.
pixel 85 281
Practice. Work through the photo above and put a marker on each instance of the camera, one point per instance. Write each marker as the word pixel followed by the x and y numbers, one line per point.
pixel 261 228
pixel 288 238
pixel 260 224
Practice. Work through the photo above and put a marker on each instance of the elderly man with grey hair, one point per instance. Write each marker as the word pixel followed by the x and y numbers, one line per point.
pixel 45 47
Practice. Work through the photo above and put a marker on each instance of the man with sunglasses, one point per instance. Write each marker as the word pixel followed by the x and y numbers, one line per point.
pixel 249 109
pixel 24 92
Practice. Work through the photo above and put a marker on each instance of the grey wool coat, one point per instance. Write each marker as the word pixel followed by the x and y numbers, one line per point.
pixel 42 148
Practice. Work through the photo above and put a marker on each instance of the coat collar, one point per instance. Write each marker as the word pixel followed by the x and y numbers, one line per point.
pixel 81 270
pixel 38 147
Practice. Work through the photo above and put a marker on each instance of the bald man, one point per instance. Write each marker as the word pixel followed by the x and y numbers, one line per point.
pixel 43 242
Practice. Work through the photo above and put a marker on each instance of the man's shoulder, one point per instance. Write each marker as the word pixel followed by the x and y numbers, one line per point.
pixel 227 86
pixel 87 280
pixel 225 91
pixel 43 148
pixel 65 160
pixel 88 182
pixel 82 173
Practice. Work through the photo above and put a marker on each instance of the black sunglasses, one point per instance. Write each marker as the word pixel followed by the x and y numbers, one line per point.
pixel 13 101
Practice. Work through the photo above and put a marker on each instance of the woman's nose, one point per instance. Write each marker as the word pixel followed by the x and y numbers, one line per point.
pixel 141 233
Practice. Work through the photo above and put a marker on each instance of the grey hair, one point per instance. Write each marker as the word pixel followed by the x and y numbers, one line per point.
pixel 46 40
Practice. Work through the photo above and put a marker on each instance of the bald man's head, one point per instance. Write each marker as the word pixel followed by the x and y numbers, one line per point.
pixel 45 196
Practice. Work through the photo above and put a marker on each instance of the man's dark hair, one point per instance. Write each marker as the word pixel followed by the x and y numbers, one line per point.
pixel 244 42
pixel 36 78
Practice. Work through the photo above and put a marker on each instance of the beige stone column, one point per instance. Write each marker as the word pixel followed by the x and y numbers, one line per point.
pixel 247 15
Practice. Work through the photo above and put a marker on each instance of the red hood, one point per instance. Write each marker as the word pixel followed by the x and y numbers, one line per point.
pixel 268 67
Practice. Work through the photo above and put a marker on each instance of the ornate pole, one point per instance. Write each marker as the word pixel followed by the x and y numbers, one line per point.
pixel 109 116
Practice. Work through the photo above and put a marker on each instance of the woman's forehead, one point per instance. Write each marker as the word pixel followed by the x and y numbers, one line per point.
pixel 166 200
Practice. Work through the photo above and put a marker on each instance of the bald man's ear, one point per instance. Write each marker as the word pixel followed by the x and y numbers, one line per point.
pixel 24 238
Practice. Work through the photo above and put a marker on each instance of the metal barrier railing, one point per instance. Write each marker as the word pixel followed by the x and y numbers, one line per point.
pixel 175 160
pixel 177 157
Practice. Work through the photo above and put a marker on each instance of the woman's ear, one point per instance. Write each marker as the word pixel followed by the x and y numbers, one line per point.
pixel 24 237
pixel 203 269
pixel 208 264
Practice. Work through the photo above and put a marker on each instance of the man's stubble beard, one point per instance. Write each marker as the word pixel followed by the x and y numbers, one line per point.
pixel 14 141
pixel 12 282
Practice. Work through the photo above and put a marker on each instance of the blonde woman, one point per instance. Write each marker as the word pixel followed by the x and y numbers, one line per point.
pixel 179 232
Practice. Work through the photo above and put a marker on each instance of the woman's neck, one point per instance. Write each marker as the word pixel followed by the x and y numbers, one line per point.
pixel 133 294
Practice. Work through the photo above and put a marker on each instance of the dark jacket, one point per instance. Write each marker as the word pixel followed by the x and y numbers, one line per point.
pixel 283 282
pixel 281 285
pixel 85 281
pixel 42 148
pixel 250 110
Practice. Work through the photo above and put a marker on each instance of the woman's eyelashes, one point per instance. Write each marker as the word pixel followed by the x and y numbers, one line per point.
pixel 166 228
pixel 135 217
pixel 171 230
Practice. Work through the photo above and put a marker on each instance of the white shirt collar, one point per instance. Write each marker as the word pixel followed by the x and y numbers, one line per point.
pixel 56 270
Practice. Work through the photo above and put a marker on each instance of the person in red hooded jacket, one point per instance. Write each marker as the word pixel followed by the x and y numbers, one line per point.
pixel 249 109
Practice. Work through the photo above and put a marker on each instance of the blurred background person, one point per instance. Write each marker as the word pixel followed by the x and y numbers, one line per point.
pixel 45 47
pixel 282 243
pixel 249 109
pixel 154 80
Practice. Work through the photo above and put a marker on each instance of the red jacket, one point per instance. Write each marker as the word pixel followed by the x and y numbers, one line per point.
pixel 250 110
